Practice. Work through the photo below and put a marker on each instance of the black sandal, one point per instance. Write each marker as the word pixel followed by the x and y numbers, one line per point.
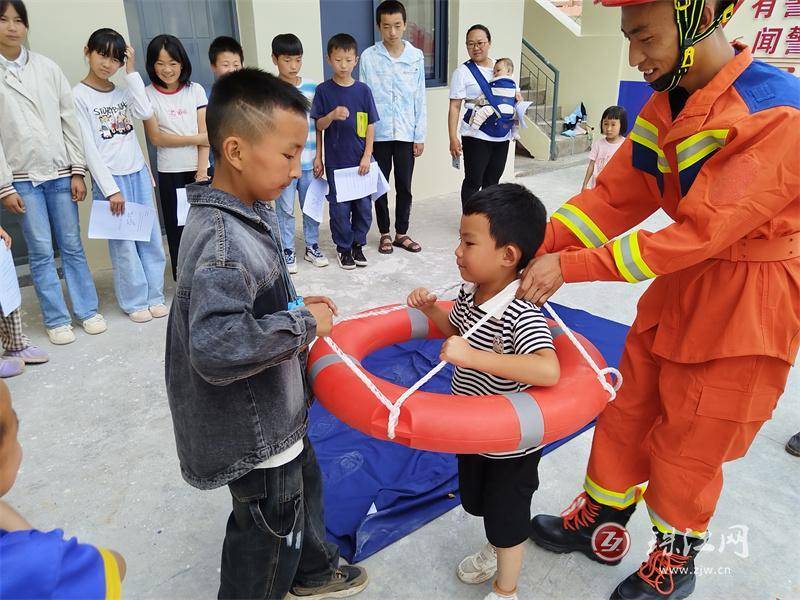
pixel 385 245
pixel 406 243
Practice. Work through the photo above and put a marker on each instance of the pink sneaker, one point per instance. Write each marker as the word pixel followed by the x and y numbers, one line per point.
pixel 11 367
pixel 32 355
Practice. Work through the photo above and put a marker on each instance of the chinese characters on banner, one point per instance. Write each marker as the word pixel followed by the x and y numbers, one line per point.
pixel 776 36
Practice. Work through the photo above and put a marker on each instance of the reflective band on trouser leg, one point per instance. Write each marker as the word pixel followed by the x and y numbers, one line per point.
pixel 665 527
pixel 628 259
pixel 616 499
pixel 698 146
pixel 579 223
pixel 531 421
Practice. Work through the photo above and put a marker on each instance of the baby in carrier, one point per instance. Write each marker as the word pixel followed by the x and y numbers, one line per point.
pixel 504 90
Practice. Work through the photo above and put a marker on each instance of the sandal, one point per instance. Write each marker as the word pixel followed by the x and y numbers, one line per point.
pixel 385 246
pixel 406 243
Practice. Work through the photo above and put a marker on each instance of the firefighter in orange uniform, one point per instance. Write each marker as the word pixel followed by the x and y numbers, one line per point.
pixel 718 148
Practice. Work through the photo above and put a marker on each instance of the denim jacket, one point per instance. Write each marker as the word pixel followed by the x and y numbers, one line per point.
pixel 235 354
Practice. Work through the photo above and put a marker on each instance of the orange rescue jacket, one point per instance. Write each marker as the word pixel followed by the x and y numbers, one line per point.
pixel 727 171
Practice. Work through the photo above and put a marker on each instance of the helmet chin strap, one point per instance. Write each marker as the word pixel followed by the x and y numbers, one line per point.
pixel 688 14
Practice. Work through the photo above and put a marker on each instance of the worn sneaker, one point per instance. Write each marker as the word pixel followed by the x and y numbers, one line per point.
pixel 289 259
pixel 358 255
pixel 140 316
pixel 94 325
pixel 159 311
pixel 32 355
pixel 348 580
pixel 497 596
pixel 61 335
pixel 315 256
pixel 346 260
pixel 11 367
pixel 478 567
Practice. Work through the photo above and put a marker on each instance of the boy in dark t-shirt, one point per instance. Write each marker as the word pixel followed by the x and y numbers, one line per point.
pixel 345 110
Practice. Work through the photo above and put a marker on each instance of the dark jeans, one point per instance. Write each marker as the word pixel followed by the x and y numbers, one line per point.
pixel 350 222
pixel 275 535
pixel 168 183
pixel 402 154
pixel 484 162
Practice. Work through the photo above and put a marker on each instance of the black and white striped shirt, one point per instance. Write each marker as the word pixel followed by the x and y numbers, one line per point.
pixel 522 329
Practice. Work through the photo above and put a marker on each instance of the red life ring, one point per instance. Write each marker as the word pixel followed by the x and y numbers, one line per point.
pixel 449 423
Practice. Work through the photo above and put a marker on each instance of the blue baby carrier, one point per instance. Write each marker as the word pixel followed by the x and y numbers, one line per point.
pixel 497 125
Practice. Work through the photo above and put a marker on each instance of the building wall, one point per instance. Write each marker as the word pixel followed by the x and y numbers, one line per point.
pixel 587 57
pixel 61 34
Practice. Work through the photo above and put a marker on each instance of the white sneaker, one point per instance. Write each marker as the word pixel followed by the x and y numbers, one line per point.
pixel 159 311
pixel 478 567
pixel 140 316
pixel 495 596
pixel 61 335
pixel 315 256
pixel 94 325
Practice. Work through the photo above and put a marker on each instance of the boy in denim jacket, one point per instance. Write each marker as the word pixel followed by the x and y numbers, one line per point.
pixel 236 352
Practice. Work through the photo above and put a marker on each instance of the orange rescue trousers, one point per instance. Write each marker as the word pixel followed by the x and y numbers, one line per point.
pixel 674 425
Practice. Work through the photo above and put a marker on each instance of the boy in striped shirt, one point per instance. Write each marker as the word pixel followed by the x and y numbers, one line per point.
pixel 287 55
pixel 501 229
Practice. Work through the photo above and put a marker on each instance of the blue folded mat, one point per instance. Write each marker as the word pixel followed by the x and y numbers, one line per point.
pixel 376 491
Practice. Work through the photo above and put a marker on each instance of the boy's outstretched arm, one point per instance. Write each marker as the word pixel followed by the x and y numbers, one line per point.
pixel 227 342
pixel 423 300
pixel 540 368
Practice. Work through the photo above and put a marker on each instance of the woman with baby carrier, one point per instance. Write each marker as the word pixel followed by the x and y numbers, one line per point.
pixel 484 149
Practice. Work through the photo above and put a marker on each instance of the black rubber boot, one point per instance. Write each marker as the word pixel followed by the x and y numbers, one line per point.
pixel 668 573
pixel 572 531
pixel 793 445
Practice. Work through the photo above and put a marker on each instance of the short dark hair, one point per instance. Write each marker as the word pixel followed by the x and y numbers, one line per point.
pixel 107 42
pixel 390 7
pixel 342 41
pixel 222 44
pixel 616 112
pixel 242 103
pixel 177 52
pixel 19 6
pixel 287 44
pixel 515 216
pixel 483 28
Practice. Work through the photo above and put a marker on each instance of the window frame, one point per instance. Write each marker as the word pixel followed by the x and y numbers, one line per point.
pixel 441 43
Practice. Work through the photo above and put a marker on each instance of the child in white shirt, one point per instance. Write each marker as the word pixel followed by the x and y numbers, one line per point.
pixel 119 173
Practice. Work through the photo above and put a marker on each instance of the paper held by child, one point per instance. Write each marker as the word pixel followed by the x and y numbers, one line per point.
pixel 352 186
pixel 183 206
pixel 315 199
pixel 135 224
pixel 10 298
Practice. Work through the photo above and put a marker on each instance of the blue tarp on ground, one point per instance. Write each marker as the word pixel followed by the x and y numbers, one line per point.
pixel 376 492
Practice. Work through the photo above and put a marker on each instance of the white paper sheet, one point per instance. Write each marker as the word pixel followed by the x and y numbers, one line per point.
pixel 383 185
pixel 183 206
pixel 135 225
pixel 314 205
pixel 9 286
pixel 352 186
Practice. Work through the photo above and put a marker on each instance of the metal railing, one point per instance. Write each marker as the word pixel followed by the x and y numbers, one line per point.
pixel 539 84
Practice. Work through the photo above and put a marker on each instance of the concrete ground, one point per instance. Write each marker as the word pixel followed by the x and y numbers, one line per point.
pixel 100 458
